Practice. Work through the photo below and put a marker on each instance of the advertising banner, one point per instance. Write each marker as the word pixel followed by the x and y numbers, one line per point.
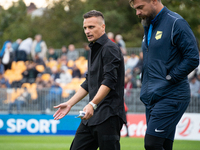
pixel 38 124
pixel 187 129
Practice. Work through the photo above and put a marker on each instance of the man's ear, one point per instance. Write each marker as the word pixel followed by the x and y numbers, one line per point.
pixel 104 26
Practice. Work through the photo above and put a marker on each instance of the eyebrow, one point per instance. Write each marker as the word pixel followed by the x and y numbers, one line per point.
pixel 139 7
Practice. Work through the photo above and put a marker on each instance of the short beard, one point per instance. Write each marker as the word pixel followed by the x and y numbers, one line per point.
pixel 147 21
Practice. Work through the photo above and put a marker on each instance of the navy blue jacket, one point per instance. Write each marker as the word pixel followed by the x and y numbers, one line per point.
pixel 172 51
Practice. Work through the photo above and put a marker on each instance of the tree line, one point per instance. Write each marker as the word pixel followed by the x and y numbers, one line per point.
pixel 60 26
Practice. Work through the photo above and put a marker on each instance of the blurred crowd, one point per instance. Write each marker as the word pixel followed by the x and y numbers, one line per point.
pixel 31 61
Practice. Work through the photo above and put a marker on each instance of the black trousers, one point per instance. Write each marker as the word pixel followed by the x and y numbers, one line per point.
pixel 106 136
pixel 157 143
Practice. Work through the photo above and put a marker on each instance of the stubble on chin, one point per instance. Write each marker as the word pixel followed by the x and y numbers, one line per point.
pixel 147 21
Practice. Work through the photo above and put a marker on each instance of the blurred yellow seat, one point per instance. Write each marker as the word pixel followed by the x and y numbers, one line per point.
pixel 27 85
pixel 65 93
pixel 20 63
pixel 18 66
pixel 51 63
pixel 46 77
pixel 70 63
pixel 13 94
pixel 13 65
pixel 75 80
pixel 33 85
pixel 70 71
pixel 33 93
pixel 18 77
pixel 81 58
pixel 40 68
pixel 82 80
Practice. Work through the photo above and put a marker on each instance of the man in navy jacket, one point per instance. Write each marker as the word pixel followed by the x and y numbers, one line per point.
pixel 170 54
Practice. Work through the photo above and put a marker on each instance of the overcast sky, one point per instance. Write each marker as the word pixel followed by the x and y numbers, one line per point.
pixel 38 3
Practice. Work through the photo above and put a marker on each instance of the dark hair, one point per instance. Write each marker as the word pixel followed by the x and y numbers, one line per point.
pixel 132 1
pixel 93 13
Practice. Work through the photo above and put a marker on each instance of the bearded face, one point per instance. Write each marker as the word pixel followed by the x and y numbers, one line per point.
pixel 146 19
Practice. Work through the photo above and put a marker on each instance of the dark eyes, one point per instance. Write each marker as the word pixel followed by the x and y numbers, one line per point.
pixel 90 27
pixel 140 7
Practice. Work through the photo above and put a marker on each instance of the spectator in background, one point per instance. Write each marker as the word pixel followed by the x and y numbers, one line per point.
pixel 128 86
pixel 72 54
pixel 41 92
pixel 120 42
pixel 4 82
pixel 23 99
pixel 39 61
pixel 30 74
pixel 24 49
pixel 138 68
pixel 132 61
pixel 39 47
pixel 65 76
pixel 76 73
pixel 63 50
pixel 3 48
pixel 54 73
pixel 51 54
pixel 195 87
pixel 111 36
pixel 15 47
pixel 63 60
pixel 38 79
pixel 16 44
pixel 125 63
pixel 54 94
pixel 8 56
pixel 198 76
pixel 1 68
pixel 86 50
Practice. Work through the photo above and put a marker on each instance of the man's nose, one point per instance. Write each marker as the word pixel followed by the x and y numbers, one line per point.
pixel 138 12
pixel 87 31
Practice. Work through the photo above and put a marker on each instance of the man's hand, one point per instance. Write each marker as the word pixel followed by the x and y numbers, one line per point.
pixel 63 110
pixel 89 111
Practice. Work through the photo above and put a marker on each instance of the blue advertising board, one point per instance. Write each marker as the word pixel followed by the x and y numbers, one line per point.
pixel 38 125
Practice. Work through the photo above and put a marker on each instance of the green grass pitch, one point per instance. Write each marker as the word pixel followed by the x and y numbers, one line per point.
pixel 63 143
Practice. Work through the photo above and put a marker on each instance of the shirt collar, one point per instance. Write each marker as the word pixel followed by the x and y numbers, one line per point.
pixel 154 20
pixel 100 41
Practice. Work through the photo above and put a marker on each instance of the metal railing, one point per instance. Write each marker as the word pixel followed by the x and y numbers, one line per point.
pixel 44 99
pixel 81 51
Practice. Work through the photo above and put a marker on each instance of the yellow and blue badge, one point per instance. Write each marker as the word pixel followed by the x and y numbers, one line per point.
pixel 158 35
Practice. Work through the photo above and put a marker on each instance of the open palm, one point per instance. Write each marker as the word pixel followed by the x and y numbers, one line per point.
pixel 63 110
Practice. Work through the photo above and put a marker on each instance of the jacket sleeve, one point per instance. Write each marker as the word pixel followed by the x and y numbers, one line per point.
pixel 185 41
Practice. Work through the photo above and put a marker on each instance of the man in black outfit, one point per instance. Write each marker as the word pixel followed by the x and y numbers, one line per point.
pixel 105 114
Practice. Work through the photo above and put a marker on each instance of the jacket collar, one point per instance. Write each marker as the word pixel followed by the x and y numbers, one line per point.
pixel 159 15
